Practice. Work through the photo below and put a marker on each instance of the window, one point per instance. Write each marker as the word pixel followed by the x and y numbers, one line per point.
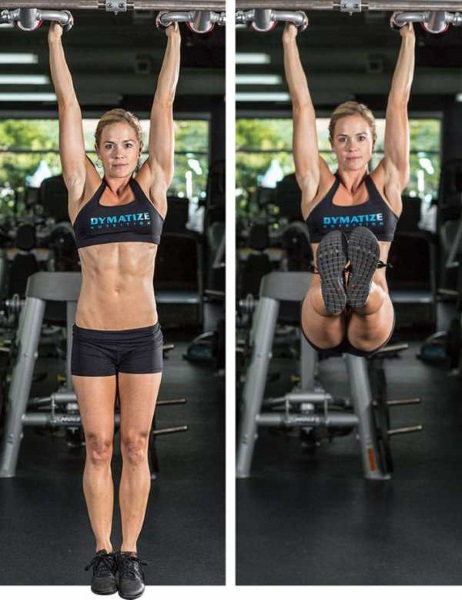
pixel 30 145
pixel 264 147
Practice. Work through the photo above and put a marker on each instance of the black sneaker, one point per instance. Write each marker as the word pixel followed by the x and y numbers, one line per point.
pixel 331 259
pixel 130 576
pixel 104 566
pixel 363 252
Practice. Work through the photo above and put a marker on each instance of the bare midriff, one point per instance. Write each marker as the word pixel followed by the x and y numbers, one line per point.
pixel 117 286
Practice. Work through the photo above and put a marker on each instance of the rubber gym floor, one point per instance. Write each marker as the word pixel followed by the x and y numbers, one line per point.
pixel 43 514
pixel 310 518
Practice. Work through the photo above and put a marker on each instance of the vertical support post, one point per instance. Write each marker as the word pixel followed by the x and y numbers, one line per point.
pixel 265 320
pixel 71 309
pixel 361 396
pixel 18 396
pixel 308 362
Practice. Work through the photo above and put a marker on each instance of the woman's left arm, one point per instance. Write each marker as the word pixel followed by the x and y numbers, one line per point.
pixel 396 143
pixel 157 172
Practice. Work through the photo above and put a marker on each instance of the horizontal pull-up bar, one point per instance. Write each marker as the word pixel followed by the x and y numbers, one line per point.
pixel 352 5
pixel 109 4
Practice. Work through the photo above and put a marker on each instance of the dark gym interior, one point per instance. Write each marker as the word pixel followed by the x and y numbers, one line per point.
pixel 306 513
pixel 114 61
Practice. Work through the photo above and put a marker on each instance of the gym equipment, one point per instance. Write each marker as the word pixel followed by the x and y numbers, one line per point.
pixel 433 22
pixel 199 21
pixel 309 406
pixel 117 6
pixel 31 19
pixel 351 6
pixel 267 19
pixel 62 405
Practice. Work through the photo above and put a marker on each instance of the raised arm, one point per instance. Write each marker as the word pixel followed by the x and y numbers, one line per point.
pixel 161 133
pixel 71 140
pixel 305 139
pixel 396 143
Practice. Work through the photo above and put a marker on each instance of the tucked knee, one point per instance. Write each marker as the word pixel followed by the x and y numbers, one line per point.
pixel 134 448
pixel 99 450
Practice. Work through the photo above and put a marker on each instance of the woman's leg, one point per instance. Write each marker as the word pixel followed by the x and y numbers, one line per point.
pixel 371 326
pixel 319 326
pixel 96 397
pixel 138 396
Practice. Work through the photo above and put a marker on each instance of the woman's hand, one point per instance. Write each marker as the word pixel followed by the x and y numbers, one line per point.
pixel 55 32
pixel 173 30
pixel 407 31
pixel 290 32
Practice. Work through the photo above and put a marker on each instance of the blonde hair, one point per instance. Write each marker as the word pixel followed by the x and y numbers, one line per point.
pixel 119 115
pixel 347 109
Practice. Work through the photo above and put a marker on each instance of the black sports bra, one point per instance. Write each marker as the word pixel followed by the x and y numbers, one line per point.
pixel 375 214
pixel 137 221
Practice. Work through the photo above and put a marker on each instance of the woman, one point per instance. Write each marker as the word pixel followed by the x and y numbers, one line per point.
pixel 117 342
pixel 352 215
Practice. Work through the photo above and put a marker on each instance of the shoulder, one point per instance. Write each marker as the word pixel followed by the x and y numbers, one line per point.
pixel 153 190
pixel 388 185
pixel 314 188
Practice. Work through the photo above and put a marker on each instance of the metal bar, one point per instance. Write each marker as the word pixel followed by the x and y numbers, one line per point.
pixel 18 394
pixel 71 309
pixel 308 364
pixel 165 430
pixel 329 420
pixel 404 402
pixel 308 396
pixel 401 430
pixel 368 5
pixel 361 396
pixel 66 396
pixel 131 5
pixel 171 402
pixel 37 419
pixel 263 327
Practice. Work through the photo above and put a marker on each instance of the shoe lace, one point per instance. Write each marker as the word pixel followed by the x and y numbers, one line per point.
pixel 103 564
pixel 130 567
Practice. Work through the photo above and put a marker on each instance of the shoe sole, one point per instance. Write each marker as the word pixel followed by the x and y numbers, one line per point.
pixel 331 258
pixel 363 252
pixel 126 597
pixel 105 593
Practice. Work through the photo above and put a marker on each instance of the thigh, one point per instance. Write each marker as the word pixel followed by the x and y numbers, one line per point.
pixel 322 332
pixel 96 398
pixel 137 397
pixel 370 332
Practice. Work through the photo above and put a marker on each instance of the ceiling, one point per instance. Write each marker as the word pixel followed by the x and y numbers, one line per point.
pixel 353 57
pixel 114 61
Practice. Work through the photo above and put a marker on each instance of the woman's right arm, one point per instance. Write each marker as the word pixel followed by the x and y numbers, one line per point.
pixel 305 139
pixel 71 140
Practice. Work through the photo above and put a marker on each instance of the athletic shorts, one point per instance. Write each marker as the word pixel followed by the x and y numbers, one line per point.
pixel 101 353
pixel 345 347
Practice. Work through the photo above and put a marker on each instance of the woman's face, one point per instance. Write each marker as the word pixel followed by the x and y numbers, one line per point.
pixel 352 143
pixel 119 150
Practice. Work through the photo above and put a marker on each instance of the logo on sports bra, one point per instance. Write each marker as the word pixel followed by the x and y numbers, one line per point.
pixel 346 221
pixel 138 218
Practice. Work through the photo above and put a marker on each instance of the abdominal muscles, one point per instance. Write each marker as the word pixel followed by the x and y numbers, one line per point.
pixel 117 286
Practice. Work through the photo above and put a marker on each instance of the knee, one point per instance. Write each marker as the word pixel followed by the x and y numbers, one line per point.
pixel 134 448
pixel 99 450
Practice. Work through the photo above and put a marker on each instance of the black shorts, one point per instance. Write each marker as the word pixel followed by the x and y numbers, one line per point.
pixel 345 346
pixel 101 353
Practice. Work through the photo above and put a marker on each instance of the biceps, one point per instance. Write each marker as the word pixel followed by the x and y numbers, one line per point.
pixel 71 144
pixel 161 144
pixel 305 144
pixel 396 143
